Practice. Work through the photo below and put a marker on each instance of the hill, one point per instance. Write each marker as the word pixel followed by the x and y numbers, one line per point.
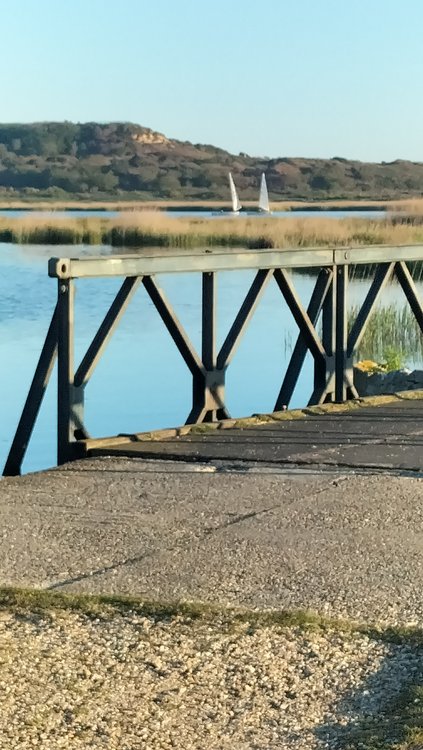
pixel 122 160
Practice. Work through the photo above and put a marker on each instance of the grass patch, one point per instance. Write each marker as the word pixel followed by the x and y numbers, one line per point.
pixel 38 600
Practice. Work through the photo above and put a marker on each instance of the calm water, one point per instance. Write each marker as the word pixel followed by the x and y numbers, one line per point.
pixel 202 214
pixel 141 382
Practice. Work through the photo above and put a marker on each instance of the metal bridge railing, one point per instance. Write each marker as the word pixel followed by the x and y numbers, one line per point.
pixel 333 350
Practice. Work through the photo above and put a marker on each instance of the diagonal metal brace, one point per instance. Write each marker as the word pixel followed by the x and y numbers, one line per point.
pixel 33 401
pixel 106 330
pixel 318 297
pixel 301 317
pixel 243 317
pixel 406 280
pixel 177 332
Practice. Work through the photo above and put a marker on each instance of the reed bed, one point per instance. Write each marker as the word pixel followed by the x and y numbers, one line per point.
pixel 153 228
pixel 391 328
pixel 411 207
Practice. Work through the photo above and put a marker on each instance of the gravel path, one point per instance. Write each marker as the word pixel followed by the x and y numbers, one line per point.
pixel 129 683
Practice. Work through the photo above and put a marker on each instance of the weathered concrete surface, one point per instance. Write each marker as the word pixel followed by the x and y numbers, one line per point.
pixel 347 545
pixel 389 436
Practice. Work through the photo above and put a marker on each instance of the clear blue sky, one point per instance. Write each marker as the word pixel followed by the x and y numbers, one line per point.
pixel 269 77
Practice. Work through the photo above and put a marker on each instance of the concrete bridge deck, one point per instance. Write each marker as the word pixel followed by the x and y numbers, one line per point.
pixel 323 512
pixel 358 435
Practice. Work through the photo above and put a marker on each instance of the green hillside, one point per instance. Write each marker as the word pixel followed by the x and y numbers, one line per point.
pixel 125 161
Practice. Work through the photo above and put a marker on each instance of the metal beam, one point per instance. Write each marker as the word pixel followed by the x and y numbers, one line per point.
pixel 208 346
pixel 168 316
pixel 324 376
pixel 243 317
pixel 177 261
pixel 366 255
pixel 105 331
pixel 344 385
pixel 406 280
pixel 208 392
pixel 65 362
pixel 341 332
pixel 33 401
pixel 208 314
pixel 197 414
pixel 300 315
pixel 322 286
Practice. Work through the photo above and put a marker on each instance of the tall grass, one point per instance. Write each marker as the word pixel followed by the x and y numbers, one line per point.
pixel 391 327
pixel 149 228
pixel 413 206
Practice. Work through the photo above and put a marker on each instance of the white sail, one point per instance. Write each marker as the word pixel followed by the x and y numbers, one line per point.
pixel 264 197
pixel 236 205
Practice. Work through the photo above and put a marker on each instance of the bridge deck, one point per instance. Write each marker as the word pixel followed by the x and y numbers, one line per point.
pixel 388 436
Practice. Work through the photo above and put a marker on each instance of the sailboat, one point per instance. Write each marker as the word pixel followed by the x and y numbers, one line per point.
pixel 263 206
pixel 236 205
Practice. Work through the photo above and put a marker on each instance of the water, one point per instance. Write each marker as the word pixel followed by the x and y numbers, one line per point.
pixel 200 214
pixel 58 214
pixel 306 214
pixel 141 382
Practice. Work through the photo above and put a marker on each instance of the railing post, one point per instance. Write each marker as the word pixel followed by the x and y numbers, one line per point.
pixel 324 373
pixel 341 333
pixel 67 418
pixel 209 386
pixel 208 313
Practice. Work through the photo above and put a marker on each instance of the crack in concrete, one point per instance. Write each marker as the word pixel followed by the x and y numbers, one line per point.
pixel 183 543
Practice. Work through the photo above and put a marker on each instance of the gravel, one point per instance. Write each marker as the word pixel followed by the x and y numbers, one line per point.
pixel 127 681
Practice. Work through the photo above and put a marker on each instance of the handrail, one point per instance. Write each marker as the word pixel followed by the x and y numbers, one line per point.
pixel 209 260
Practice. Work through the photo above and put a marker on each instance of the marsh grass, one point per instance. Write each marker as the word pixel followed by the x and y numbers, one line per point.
pixel 412 206
pixel 140 229
pixel 391 329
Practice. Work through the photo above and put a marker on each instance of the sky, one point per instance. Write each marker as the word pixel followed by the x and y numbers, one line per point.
pixel 312 78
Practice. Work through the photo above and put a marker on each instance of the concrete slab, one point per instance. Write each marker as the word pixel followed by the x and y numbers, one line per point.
pixel 389 436
pixel 348 545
